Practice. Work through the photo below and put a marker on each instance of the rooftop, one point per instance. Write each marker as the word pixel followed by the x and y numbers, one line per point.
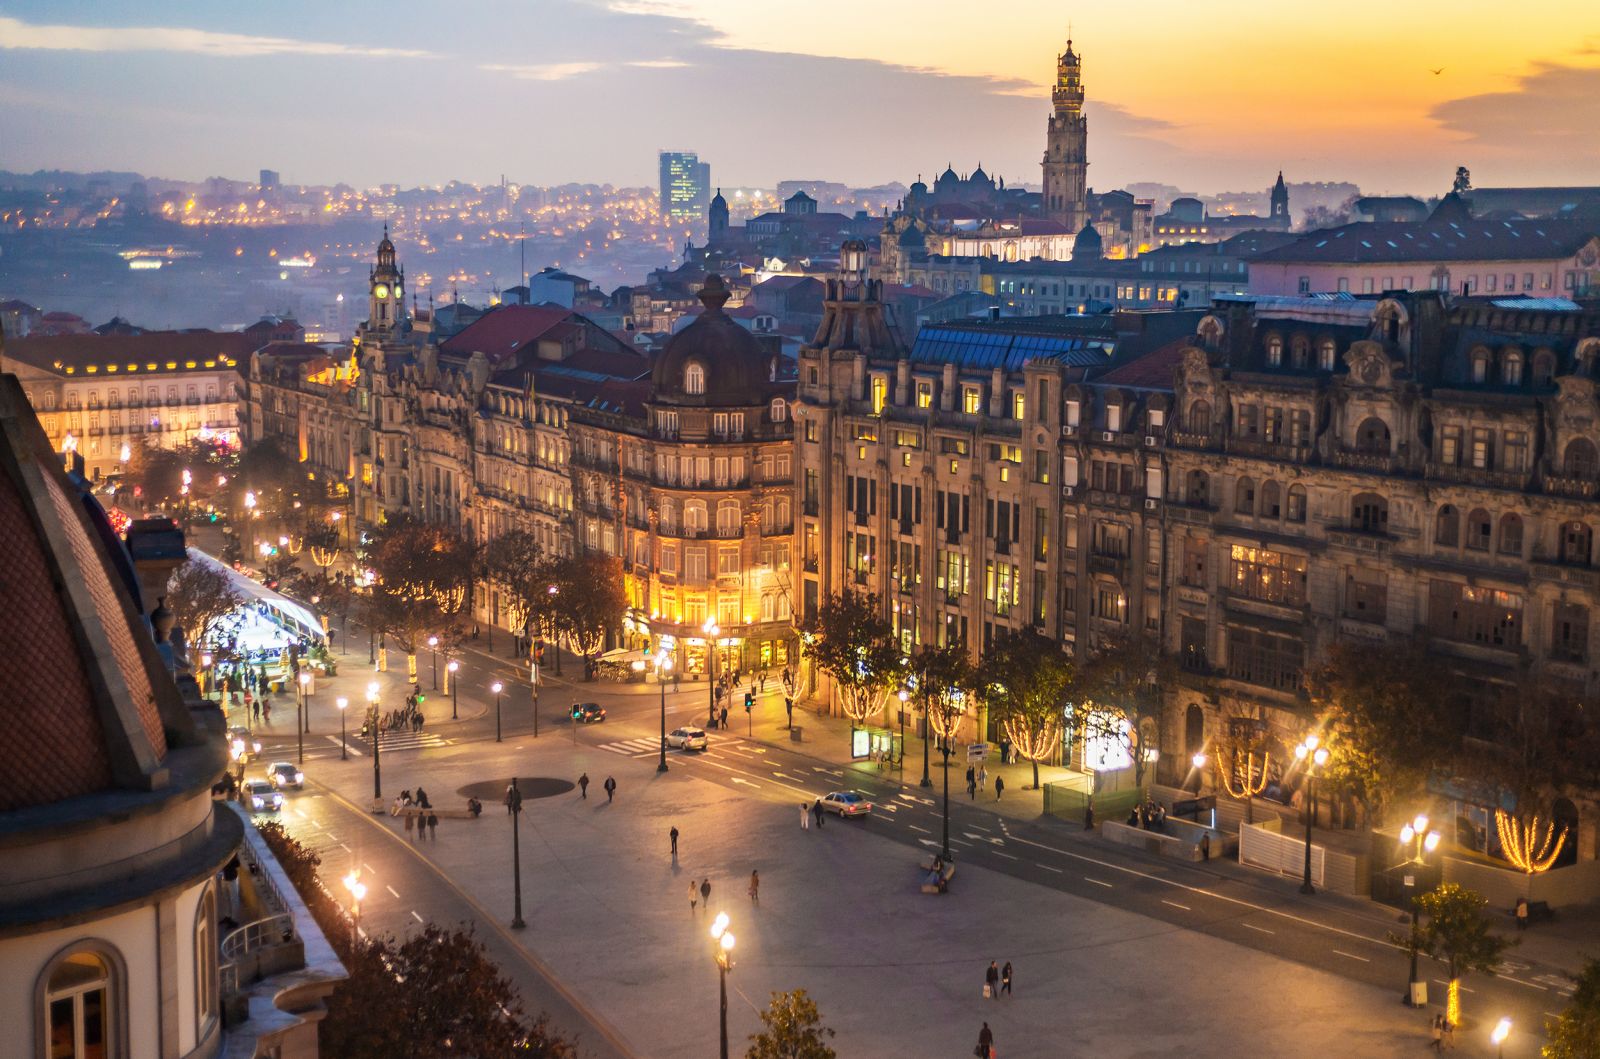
pixel 1459 239
pixel 150 353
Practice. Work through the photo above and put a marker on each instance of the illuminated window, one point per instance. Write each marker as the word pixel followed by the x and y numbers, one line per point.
pixel 880 393
pixel 694 379
pixel 81 1001
pixel 1272 577
pixel 971 400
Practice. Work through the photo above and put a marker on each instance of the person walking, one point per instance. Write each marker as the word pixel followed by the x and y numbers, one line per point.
pixel 816 810
pixel 1522 913
pixel 755 888
pixel 805 817
pixel 985 1049
pixel 705 892
pixel 983 776
pixel 433 826
pixel 1005 978
pixel 972 776
pixel 999 787
pixel 611 789
pixel 1437 1031
pixel 422 799
pixel 674 834
pixel 694 896
pixel 972 786
pixel 991 982
pixel 583 785
pixel 410 821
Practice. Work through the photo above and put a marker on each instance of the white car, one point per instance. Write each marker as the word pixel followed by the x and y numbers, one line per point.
pixel 687 738
pixel 261 797
pixel 283 774
pixel 847 803
pixel 243 747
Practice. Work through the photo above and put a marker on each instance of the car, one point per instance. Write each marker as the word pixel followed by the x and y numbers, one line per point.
pixel 588 713
pixel 243 746
pixel 282 774
pixel 262 797
pixel 687 738
pixel 847 803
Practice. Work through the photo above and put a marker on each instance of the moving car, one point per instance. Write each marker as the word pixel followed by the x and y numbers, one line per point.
pixel 847 803
pixel 260 796
pixel 587 713
pixel 687 738
pixel 243 747
pixel 282 774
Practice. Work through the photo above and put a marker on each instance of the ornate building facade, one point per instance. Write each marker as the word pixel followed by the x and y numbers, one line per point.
pixel 1066 152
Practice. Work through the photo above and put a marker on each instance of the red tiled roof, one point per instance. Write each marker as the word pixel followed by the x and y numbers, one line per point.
pixel 501 333
pixel 1152 371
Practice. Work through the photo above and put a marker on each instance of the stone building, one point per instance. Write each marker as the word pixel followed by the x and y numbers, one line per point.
pixel 688 477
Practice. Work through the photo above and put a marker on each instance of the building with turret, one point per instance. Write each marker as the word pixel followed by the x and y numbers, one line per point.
pixel 1066 152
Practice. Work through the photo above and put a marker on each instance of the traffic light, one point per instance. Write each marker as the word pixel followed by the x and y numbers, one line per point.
pixel 749 699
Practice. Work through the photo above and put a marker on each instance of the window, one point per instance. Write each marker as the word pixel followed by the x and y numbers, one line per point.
pixel 1482 448
pixel 1272 577
pixel 1199 418
pixel 1325 353
pixel 205 963
pixel 1369 513
pixel 1300 353
pixel 971 400
pixel 728 518
pixel 1244 497
pixel 727 562
pixel 1114 417
pixel 81 1001
pixel 1569 633
pixel 1272 430
pixel 1511 369
pixel 1109 602
pixel 695 564
pixel 779 410
pixel 1366 594
pixel 1193 573
pixel 1197 488
pixel 1192 646
pixel 1249 417
pixel 1018 404
pixel 1450 446
pixel 694 379
pixel 1271 500
pixel 1510 534
pixel 694 516
pixel 880 393
pixel 1580 460
pixel 924 393
pixel 1274 351
pixel 1575 543
pixel 1372 437
pixel 1475 615
pixel 1265 659
pixel 1480 530
pixel 1480 365
pixel 1447 529
pixel 1544 368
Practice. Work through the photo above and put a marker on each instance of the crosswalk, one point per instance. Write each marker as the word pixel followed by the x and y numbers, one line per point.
pixel 634 747
pixel 395 742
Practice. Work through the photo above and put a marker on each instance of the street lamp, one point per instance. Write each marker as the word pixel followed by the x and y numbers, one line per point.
pixel 1422 842
pixel 1502 1030
pixel 358 891
pixel 300 729
pixel 1313 756
pixel 344 751
pixel 205 672
pixel 377 774
pixel 724 958
pixel 663 667
pixel 514 803
pixel 1199 763
pixel 450 671
pixel 433 644
pixel 712 632
pixel 903 696
pixel 497 688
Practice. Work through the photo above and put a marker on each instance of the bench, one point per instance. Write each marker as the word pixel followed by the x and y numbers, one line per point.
pixel 443 814
pixel 939 885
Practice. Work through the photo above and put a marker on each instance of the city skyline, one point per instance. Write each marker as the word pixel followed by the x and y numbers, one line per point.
pixel 333 95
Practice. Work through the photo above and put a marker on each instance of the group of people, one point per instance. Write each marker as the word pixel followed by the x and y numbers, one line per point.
pixel 997 980
pixel 1444 1033
pixel 809 811
pixel 1152 816
pixel 978 779
pixel 418 813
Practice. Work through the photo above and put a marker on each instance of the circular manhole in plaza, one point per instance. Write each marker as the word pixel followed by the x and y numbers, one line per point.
pixel 530 786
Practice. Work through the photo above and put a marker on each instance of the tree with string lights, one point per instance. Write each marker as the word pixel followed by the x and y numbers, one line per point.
pixel 1027 683
pixel 852 643
pixel 1457 934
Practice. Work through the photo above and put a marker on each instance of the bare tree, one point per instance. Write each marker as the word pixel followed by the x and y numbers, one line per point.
pixel 199 596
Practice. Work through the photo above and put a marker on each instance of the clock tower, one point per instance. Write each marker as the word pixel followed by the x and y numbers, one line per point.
pixel 385 291
pixel 1066 152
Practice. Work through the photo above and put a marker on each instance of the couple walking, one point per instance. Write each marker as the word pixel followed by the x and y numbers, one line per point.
pixel 808 811
pixel 997 980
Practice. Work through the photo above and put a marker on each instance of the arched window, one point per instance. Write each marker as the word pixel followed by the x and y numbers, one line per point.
pixel 728 518
pixel 1271 500
pixel 1448 527
pixel 1511 369
pixel 1580 459
pixel 1244 497
pixel 1194 730
pixel 1480 365
pixel 1199 419
pixel 1480 528
pixel 1197 488
pixel 1274 351
pixel 694 379
pixel 206 1006
pixel 1372 436
pixel 1576 543
pixel 1297 504
pixel 694 516
pixel 1369 513
pixel 1544 368
pixel 80 1003
pixel 1510 534
pixel 1325 354
pixel 780 410
pixel 1300 352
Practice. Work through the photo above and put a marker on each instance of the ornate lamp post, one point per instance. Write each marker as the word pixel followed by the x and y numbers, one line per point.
pixel 377 773
pixel 433 646
pixel 358 891
pixel 450 671
pixel 514 803
pixel 663 667
pixel 304 681
pixel 344 750
pixel 1313 756
pixel 712 632
pixel 1421 842
pixel 903 696
pixel 724 958
pixel 497 688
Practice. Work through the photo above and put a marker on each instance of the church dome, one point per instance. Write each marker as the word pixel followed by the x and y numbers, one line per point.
pixel 1088 246
pixel 713 361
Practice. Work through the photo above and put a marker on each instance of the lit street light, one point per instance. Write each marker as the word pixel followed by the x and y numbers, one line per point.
pixel 344 751
pixel 1313 756
pixel 358 891
pixel 903 696
pixel 433 644
pixel 724 958
pixel 712 632
pixel 450 671
pixel 497 688
pixel 663 667
pixel 300 729
pixel 372 725
pixel 1422 842
pixel 514 803
pixel 1502 1030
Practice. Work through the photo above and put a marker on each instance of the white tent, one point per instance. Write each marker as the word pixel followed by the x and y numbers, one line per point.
pixel 269 620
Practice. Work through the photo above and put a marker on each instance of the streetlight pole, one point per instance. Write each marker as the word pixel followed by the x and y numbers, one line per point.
pixel 903 696
pixel 344 750
pixel 724 958
pixel 711 631
pixel 377 773
pixel 497 688
pixel 358 891
pixel 927 781
pixel 945 750
pixel 450 672
pixel 663 667
pixel 514 803
pixel 533 680
pixel 433 647
pixel 1313 756
pixel 300 728
pixel 1426 842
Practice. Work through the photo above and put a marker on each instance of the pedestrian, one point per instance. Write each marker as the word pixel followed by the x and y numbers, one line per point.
pixel 674 834
pixel 410 822
pixel 1437 1031
pixel 983 776
pixel 510 797
pixel 1522 913
pixel 816 810
pixel 805 817
pixel 972 776
pixel 1005 978
pixel 723 718
pixel 611 789
pixel 985 1049
pixel 999 787
pixel 694 896
pixel 972 788
pixel 422 799
pixel 266 712
pixel 755 888
pixel 991 982
pixel 583 785
pixel 1449 1033
pixel 433 825
pixel 705 892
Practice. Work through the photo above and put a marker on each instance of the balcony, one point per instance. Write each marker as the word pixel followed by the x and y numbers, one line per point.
pixel 1371 462
pixel 1576 488
pixel 1269 450
pixel 1450 472
pixel 1183 439
pixel 1115 565
pixel 811 506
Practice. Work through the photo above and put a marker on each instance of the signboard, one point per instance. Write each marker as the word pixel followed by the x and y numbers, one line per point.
pixel 977 752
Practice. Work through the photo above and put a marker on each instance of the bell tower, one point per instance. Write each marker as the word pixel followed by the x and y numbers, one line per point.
pixel 385 290
pixel 1066 152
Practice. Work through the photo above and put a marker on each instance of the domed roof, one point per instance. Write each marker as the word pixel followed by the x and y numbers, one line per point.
pixel 718 200
pixel 1088 244
pixel 912 237
pixel 733 367
pixel 384 245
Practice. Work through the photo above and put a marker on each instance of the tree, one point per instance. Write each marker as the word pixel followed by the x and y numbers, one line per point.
pixel 792 1030
pixel 1118 689
pixel 941 676
pixel 588 602
pixel 852 644
pixel 1315 218
pixel 516 563
pixel 199 596
pixel 1027 682
pixel 422 572
pixel 1387 714
pixel 1575 1034
pixel 1457 934
pixel 155 474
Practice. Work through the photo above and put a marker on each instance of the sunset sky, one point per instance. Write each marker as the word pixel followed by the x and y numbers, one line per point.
pixel 1206 97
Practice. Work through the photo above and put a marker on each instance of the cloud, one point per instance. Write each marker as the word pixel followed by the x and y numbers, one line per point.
pixel 542 71
pixel 659 64
pixel 1552 114
pixel 16 34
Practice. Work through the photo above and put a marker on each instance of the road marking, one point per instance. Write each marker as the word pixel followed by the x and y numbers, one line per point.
pixel 1175 904
pixel 1046 867
pixel 418 918
pixel 332 837
pixel 1007 856
pixel 958 842
pixel 1350 955
pixel 362 931
pixel 1530 985
pixel 980 827
pixel 1097 882
pixel 924 830
pixel 347 746
pixel 1441 981
pixel 392 891
pixel 893 808
pixel 369 867
pixel 747 783
pixel 1262 930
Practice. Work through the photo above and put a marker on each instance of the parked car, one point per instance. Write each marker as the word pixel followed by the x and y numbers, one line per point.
pixel 282 774
pixel 687 738
pixel 261 797
pixel 847 803
pixel 243 747
pixel 587 713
